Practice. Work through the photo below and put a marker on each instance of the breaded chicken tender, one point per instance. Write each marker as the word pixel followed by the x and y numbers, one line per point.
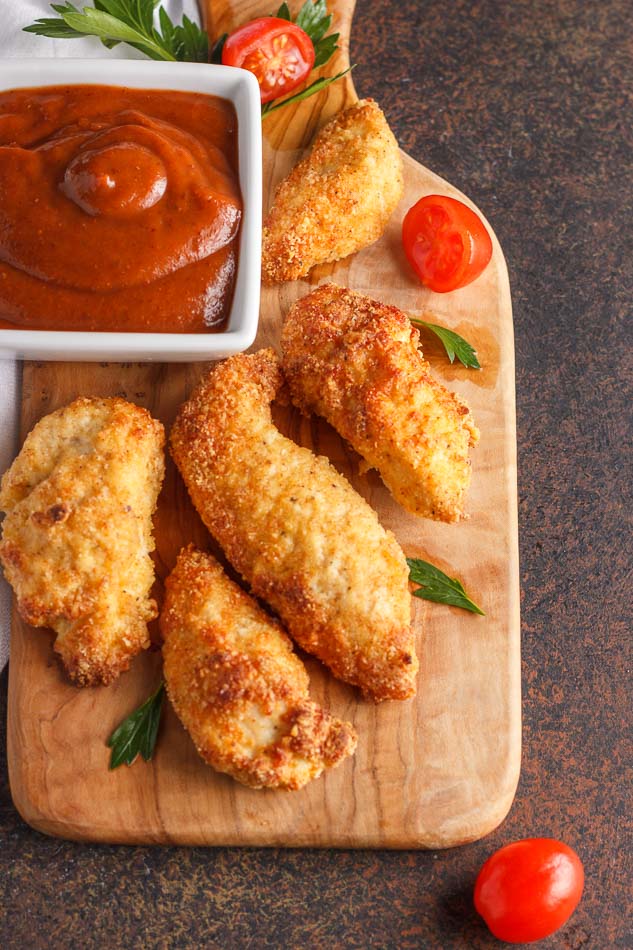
pixel 338 198
pixel 77 535
pixel 236 685
pixel 356 362
pixel 296 530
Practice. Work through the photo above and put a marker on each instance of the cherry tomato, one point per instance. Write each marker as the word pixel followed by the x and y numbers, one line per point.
pixel 279 52
pixel 528 889
pixel 446 242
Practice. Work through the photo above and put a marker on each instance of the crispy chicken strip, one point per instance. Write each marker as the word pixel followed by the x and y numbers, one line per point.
pixel 77 535
pixel 236 685
pixel 338 198
pixel 356 362
pixel 305 541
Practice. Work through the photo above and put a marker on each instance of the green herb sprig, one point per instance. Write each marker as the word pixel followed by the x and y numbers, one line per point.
pixel 314 20
pixel 132 22
pixel 310 90
pixel 437 586
pixel 454 344
pixel 138 732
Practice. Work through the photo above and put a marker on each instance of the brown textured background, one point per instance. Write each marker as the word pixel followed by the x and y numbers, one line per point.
pixel 526 106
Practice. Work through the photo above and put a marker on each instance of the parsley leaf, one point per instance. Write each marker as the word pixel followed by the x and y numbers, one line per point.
pixel 137 734
pixel 56 28
pixel 131 22
pixel 437 586
pixel 314 19
pixel 454 344
pixel 325 49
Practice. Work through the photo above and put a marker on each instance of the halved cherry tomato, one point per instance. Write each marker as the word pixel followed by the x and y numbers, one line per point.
pixel 446 242
pixel 528 889
pixel 279 52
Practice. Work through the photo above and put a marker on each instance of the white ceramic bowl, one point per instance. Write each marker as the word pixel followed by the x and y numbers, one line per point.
pixel 242 89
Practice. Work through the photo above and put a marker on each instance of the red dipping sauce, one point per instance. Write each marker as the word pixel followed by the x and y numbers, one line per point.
pixel 119 209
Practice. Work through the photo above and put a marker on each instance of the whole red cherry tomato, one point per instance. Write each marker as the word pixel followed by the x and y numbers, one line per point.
pixel 279 52
pixel 528 889
pixel 446 242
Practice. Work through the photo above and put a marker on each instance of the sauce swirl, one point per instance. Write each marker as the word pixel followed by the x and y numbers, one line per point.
pixel 119 209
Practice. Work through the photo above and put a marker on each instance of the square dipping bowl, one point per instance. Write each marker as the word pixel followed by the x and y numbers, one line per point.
pixel 239 87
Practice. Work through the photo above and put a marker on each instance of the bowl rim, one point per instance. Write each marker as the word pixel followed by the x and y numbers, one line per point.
pixel 242 89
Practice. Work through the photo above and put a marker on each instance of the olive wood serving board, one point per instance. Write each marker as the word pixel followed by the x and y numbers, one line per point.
pixel 436 771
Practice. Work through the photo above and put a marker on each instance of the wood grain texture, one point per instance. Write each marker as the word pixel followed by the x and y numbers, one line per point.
pixel 436 771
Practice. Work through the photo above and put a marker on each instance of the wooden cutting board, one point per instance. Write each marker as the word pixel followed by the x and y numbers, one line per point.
pixel 436 771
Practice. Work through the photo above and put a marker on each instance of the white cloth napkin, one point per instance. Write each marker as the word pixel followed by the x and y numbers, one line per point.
pixel 15 44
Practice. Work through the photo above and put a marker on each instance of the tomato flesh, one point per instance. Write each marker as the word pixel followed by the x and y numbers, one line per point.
pixel 528 889
pixel 278 52
pixel 446 243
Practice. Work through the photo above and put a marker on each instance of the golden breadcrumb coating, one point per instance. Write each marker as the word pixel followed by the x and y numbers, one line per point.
pixel 356 362
pixel 239 690
pixel 305 541
pixel 338 198
pixel 77 535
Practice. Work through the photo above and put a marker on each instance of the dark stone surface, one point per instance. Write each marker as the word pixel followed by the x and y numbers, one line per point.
pixel 525 106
